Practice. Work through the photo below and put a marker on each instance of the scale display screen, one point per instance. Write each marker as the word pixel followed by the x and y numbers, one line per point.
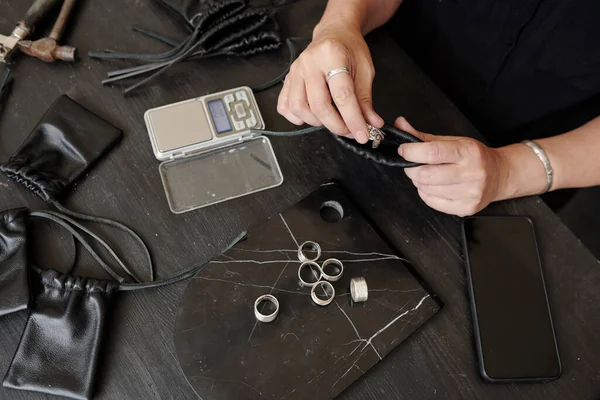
pixel 219 115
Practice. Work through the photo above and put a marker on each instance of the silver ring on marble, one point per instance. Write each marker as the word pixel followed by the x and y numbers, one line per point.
pixel 324 285
pixel 335 71
pixel 309 245
pixel 266 317
pixel 332 261
pixel 312 266
pixel 359 290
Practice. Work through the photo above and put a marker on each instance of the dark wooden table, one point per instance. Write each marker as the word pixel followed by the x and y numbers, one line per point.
pixel 139 362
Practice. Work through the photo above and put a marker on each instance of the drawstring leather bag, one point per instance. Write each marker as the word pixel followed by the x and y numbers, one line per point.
pixel 65 144
pixel 14 283
pixel 61 345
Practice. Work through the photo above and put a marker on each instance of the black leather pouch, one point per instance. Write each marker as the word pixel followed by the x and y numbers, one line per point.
pixel 67 141
pixel 203 13
pixel 61 344
pixel 14 283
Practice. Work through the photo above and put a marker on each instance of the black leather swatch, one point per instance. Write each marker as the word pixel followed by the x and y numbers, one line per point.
pixel 14 283
pixel 62 341
pixel 66 142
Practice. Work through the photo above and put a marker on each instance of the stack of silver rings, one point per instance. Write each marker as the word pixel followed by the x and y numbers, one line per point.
pixel 318 278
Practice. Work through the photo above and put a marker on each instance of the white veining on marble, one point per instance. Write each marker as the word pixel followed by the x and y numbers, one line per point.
pixel 289 230
pixel 369 341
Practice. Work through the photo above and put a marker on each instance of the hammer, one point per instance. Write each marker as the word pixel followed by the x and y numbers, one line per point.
pixel 38 10
pixel 47 49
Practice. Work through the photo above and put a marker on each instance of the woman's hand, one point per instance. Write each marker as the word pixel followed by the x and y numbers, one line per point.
pixel 462 175
pixel 306 97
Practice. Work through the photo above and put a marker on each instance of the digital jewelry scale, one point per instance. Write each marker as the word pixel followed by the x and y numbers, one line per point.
pixel 209 151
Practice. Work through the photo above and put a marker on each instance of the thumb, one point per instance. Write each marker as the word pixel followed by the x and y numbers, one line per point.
pixel 403 124
pixel 363 84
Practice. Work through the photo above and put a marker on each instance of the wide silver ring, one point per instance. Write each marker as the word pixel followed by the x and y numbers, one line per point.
pixel 322 285
pixel 313 266
pixel 336 277
pixel 266 317
pixel 314 246
pixel 359 290
pixel 334 72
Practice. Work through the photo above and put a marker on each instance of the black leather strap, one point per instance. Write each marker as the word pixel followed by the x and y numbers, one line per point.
pixel 385 154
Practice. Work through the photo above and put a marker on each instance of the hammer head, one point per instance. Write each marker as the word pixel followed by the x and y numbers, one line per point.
pixel 47 50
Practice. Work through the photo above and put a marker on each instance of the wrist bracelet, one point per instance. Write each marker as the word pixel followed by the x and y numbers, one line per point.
pixel 541 154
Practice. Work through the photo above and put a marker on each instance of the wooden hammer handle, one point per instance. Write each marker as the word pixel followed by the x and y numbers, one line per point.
pixel 38 10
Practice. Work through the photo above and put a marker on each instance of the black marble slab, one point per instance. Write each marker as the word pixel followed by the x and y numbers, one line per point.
pixel 309 351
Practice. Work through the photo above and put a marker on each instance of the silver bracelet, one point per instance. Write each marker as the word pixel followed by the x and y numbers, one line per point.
pixel 541 154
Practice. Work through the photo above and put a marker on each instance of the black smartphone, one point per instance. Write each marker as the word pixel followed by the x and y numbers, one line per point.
pixel 514 332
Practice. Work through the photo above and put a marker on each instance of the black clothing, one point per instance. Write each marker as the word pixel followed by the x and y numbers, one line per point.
pixel 516 68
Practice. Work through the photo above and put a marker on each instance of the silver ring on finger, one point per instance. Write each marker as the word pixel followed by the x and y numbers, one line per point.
pixel 336 71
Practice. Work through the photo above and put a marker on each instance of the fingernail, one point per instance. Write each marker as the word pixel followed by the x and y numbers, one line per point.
pixel 400 150
pixel 361 137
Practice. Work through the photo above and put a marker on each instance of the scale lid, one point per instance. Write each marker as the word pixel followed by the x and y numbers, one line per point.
pixel 202 179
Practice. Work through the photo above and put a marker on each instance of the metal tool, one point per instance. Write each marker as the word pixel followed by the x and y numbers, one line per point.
pixel 38 10
pixel 47 49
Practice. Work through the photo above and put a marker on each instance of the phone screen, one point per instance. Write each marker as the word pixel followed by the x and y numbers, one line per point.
pixel 514 330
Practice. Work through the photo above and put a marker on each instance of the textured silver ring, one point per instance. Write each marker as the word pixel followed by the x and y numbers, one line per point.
pixel 314 246
pixel 322 285
pixel 312 266
pixel 359 290
pixel 266 317
pixel 336 262
pixel 334 72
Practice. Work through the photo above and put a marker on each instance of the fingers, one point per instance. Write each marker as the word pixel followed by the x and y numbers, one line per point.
pixel 436 174
pixel 437 203
pixel 343 94
pixel 432 152
pixel 450 192
pixel 321 106
pixel 364 93
pixel 448 206
pixel 298 102
pixel 283 105
pixel 403 124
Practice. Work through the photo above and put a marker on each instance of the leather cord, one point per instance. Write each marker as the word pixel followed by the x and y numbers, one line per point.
pixel 177 278
pixel 63 223
pixel 394 137
pixel 278 79
pixel 69 225
pixel 228 28
pixel 66 213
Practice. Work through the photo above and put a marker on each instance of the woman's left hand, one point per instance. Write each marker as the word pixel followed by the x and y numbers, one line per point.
pixel 462 175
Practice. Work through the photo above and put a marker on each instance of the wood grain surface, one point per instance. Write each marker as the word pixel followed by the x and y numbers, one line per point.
pixel 139 360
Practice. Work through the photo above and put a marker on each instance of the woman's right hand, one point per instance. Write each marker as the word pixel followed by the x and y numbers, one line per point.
pixel 306 96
